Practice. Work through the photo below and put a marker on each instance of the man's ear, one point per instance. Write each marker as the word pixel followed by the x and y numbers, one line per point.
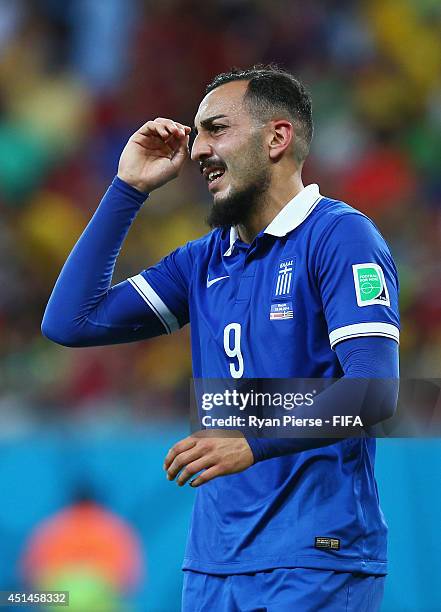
pixel 282 135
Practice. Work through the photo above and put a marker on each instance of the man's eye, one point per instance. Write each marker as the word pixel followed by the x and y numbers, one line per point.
pixel 217 128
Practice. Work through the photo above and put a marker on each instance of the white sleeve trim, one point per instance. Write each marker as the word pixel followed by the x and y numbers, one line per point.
pixel 364 329
pixel 160 309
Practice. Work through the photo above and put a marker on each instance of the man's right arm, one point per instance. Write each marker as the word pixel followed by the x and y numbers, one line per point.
pixel 84 310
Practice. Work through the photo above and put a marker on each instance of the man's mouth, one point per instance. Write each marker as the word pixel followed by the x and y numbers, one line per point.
pixel 213 175
pixel 214 178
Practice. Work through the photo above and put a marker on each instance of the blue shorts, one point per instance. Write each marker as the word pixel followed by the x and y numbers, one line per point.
pixel 283 590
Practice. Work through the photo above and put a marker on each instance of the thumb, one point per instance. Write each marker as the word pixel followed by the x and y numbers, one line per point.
pixel 182 152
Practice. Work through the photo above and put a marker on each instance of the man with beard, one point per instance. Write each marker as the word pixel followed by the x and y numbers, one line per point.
pixel 288 284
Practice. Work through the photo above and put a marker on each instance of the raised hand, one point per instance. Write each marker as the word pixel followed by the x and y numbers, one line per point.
pixel 154 154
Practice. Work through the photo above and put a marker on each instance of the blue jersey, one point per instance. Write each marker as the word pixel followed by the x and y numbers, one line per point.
pixel 319 274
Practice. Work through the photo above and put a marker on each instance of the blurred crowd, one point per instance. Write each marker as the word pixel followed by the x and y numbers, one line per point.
pixel 78 77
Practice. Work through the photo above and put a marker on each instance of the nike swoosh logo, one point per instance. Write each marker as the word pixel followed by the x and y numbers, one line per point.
pixel 215 280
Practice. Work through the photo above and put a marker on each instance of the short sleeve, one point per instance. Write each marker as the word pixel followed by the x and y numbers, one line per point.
pixel 357 281
pixel 165 286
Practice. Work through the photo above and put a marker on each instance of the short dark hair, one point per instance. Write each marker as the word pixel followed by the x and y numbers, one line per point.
pixel 271 92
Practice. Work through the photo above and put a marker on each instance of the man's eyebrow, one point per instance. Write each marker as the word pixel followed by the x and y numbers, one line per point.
pixel 206 123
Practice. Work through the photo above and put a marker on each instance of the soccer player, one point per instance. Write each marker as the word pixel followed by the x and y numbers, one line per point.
pixel 278 524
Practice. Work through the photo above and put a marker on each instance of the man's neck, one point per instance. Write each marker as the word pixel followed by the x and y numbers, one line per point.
pixel 273 201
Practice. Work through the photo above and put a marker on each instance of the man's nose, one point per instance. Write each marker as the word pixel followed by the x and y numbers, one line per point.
pixel 200 149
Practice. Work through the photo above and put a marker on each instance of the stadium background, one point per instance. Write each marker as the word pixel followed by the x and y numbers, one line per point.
pixel 76 78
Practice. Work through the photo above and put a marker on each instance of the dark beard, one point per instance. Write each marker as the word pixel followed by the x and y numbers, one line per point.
pixel 240 206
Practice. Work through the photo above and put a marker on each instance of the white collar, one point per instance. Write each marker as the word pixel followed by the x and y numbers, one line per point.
pixel 234 235
pixel 290 217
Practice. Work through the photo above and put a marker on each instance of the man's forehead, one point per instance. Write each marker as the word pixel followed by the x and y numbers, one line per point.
pixel 225 100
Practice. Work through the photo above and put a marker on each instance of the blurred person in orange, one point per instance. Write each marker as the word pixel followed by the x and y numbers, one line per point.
pixel 87 550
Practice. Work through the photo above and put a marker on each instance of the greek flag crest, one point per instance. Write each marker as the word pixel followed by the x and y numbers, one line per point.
pixel 283 287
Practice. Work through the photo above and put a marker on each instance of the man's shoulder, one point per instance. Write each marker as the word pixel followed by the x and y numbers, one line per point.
pixel 331 209
pixel 336 216
pixel 337 225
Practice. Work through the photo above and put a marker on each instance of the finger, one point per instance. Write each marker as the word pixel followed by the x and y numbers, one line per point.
pixel 164 128
pixel 193 468
pixel 182 151
pixel 152 142
pixel 174 126
pixel 174 129
pixel 206 476
pixel 186 128
pixel 149 128
pixel 182 460
pixel 155 128
pixel 179 447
